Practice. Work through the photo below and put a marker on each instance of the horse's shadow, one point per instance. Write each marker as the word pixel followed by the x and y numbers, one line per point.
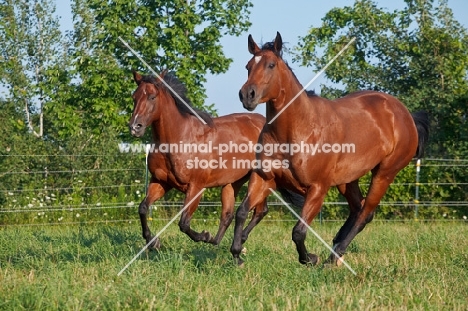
pixel 200 256
pixel 97 246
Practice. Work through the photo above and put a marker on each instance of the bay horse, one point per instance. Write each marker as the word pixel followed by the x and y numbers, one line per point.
pixel 172 122
pixel 384 134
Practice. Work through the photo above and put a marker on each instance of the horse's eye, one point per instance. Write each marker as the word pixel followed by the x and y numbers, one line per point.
pixel 271 65
pixel 151 97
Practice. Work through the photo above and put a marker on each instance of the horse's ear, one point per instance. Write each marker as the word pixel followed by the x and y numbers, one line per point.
pixel 278 44
pixel 163 73
pixel 253 47
pixel 137 77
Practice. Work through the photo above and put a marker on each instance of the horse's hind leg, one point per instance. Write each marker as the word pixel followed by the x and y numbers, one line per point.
pixel 155 191
pixel 184 223
pixel 228 200
pixel 381 179
pixel 355 199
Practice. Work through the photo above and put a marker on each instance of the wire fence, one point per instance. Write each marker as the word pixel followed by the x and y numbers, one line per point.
pixel 47 199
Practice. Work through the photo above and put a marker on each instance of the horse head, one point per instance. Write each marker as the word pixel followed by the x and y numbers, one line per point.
pixel 265 70
pixel 145 104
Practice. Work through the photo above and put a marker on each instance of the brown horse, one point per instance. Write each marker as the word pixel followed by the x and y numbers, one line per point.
pixel 377 132
pixel 189 171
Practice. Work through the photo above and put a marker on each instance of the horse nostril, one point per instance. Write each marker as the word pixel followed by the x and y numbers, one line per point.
pixel 135 127
pixel 252 94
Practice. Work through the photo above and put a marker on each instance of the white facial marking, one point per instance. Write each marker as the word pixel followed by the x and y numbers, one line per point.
pixel 144 91
pixel 257 59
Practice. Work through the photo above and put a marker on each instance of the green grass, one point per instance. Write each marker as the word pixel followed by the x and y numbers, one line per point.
pixel 399 266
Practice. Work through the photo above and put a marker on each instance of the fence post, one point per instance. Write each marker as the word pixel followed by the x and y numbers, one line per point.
pixel 147 149
pixel 416 194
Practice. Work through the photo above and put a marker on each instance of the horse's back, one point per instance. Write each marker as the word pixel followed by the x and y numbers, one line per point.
pixel 384 116
pixel 243 118
pixel 240 125
pixel 379 108
pixel 373 101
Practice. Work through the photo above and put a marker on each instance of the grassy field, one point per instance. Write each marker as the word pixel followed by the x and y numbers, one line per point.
pixel 399 265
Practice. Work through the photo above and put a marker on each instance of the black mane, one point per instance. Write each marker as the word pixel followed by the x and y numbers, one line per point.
pixel 178 87
pixel 311 93
pixel 270 46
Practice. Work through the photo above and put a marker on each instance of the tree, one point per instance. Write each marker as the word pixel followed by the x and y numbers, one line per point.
pixel 182 36
pixel 32 57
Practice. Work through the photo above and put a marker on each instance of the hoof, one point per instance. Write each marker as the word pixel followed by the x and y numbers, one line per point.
pixel 333 262
pixel 239 262
pixel 156 245
pixel 206 237
pixel 312 260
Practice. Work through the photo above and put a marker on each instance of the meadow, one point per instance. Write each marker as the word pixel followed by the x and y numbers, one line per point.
pixel 400 266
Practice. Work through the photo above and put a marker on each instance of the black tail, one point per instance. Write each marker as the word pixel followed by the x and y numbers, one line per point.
pixel 421 120
pixel 292 197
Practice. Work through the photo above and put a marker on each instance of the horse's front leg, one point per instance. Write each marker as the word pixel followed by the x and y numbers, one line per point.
pixel 258 191
pixel 155 191
pixel 313 203
pixel 259 213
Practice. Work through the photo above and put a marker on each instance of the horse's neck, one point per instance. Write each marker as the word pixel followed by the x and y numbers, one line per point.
pixel 299 113
pixel 172 126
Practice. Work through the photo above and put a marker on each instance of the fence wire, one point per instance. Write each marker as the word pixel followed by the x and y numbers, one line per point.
pixel 131 205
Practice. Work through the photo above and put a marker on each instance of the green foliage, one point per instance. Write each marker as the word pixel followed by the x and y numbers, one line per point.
pixel 32 54
pixel 182 36
pixel 43 183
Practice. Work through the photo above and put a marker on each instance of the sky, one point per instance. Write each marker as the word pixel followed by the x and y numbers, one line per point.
pixel 293 19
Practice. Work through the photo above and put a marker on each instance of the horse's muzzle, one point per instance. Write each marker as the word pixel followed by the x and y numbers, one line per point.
pixel 137 130
pixel 248 97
